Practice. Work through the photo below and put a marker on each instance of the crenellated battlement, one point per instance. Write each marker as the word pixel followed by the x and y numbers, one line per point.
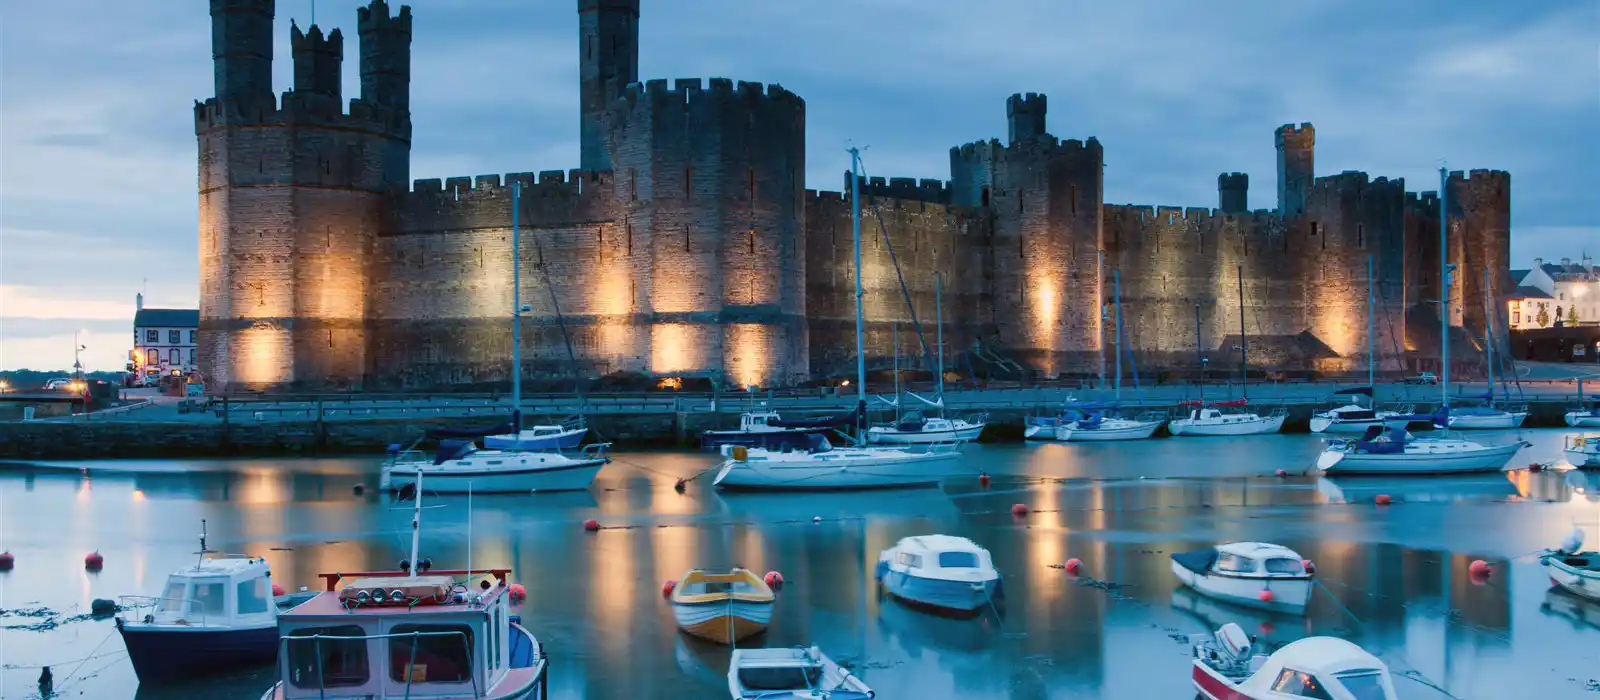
pixel 376 18
pixel 1025 116
pixel 246 5
pixel 1303 133
pixel 624 5
pixel 302 109
pixel 545 183
pixel 688 91
pixel 923 190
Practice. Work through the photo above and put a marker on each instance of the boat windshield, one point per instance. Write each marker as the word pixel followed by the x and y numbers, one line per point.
pixel 172 598
pixel 1300 684
pixel 958 560
pixel 437 654
pixel 1362 414
pixel 1365 685
pixel 1279 565
pixel 780 678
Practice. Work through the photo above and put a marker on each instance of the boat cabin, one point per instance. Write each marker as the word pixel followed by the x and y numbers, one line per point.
pixel 232 591
pixel 392 635
pixel 758 422
pixel 942 557
pixel 1246 559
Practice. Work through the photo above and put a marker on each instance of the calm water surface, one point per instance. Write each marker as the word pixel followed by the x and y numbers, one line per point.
pixel 1397 575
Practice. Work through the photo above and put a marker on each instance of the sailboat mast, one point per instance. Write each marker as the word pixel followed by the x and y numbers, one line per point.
pixel 516 309
pixel 1244 342
pixel 1372 382
pixel 938 306
pixel 1100 282
pixel 1116 299
pixel 894 332
pixel 416 527
pixel 1199 355
pixel 1444 289
pixel 855 235
pixel 1488 334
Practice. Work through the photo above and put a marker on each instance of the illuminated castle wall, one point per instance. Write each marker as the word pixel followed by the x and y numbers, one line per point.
pixel 686 245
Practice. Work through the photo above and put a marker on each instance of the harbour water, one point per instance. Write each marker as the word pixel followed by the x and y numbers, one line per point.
pixel 1395 576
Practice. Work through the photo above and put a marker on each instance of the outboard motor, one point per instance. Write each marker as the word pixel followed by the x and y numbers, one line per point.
pixel 1234 643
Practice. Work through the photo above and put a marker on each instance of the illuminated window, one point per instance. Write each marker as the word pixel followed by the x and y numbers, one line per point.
pixel 154 356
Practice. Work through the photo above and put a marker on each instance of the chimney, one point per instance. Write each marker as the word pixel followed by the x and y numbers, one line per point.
pixel 1538 262
pixel 1566 262
pixel 138 302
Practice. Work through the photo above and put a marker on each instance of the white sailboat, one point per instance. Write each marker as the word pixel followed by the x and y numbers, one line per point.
pixel 822 466
pixel 1095 422
pixel 1353 418
pixel 1585 416
pixel 459 466
pixel 914 428
pixel 1397 452
pixel 1224 418
pixel 1488 416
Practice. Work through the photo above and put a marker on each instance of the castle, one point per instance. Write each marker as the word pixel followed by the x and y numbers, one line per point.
pixel 686 244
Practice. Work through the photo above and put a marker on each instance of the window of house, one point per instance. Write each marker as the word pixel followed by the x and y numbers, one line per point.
pixel 154 357
pixel 194 337
pixel 335 662
pixel 1516 317
pixel 194 356
pixel 443 656
pixel 173 337
pixel 252 596
pixel 172 357
pixel 152 336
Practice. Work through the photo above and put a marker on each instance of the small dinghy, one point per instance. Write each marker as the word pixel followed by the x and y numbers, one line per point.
pixel 1576 572
pixel 1314 667
pixel 1253 574
pixel 939 571
pixel 791 674
pixel 723 608
pixel 1585 416
pixel 1583 451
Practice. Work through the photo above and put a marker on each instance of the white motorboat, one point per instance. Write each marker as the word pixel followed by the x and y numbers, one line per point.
pixel 1252 574
pixel 1209 419
pixel 1041 427
pixel 1097 428
pixel 795 673
pixel 1585 417
pixel 1397 452
pixel 220 613
pixel 1583 451
pixel 768 429
pixel 562 436
pixel 939 571
pixel 823 466
pixel 1574 571
pixel 1315 667
pixel 459 467
pixel 914 429
pixel 1484 417
pixel 1354 419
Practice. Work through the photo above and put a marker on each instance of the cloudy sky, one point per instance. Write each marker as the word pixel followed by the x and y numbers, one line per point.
pixel 97 151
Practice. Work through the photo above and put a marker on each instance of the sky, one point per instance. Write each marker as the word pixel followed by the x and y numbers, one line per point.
pixel 97 150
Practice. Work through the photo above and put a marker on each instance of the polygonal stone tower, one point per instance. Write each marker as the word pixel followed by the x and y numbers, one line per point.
pixel 608 61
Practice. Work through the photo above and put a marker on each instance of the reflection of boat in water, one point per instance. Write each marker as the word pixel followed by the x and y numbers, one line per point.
pixel 837 505
pixel 1583 613
pixel 1212 613
pixel 1356 489
pixel 967 637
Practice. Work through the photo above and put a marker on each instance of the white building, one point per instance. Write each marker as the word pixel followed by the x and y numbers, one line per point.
pixel 1567 293
pixel 165 341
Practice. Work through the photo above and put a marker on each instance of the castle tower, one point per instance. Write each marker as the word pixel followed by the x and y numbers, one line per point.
pixel 241 48
pixel 290 200
pixel 608 61
pixel 1480 239
pixel 316 61
pixel 1296 148
pixel 1233 193
pixel 1025 116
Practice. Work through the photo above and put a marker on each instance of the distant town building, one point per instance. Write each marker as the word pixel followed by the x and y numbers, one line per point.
pixel 1555 294
pixel 164 341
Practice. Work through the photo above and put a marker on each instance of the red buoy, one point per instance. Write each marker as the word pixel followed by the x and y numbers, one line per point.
pixel 1282 472
pixel 1311 567
pixel 1073 566
pixel 94 561
pixel 518 593
pixel 1478 567
pixel 667 587
pixel 277 590
pixel 1265 595
pixel 774 580
pixel 7 561
pixel 1382 499
pixel 680 486
pixel 983 480
pixel 591 525
pixel 1020 510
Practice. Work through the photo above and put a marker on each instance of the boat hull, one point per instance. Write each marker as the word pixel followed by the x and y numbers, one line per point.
pixel 1582 419
pixel 723 622
pixel 1261 425
pixel 575 476
pixel 1039 432
pixel 1500 421
pixel 1214 686
pixel 1583 459
pixel 1289 594
pixel 1139 430
pixel 528 677
pixel 1584 583
pixel 1487 459
pixel 564 440
pixel 174 652
pixel 923 437
pixel 907 469
pixel 955 596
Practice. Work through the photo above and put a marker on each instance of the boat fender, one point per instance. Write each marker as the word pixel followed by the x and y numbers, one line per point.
pixel 94 562
pixel 591 525
pixel 1382 499
pixel 774 580
pixel 277 590
pixel 740 453
pixel 100 607
pixel 1265 595
pixel 1478 567
pixel 1019 510
pixel 1310 566
pixel 667 587
pixel 518 593
pixel 983 480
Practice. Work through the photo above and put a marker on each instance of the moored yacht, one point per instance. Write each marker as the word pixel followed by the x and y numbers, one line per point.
pixel 822 466
pixel 1583 451
pixel 1091 423
pixel 1354 418
pixel 1585 416
pixel 561 436
pixel 915 429
pixel 1210 419
pixel 459 467
pixel 769 429
pixel 1485 417
pixel 1397 452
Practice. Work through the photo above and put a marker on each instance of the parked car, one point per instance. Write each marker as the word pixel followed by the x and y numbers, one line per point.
pixel 1423 378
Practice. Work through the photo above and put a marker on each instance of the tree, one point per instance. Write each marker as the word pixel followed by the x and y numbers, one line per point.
pixel 1543 319
pixel 1572 315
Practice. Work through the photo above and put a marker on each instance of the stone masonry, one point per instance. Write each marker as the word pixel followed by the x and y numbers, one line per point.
pixel 686 245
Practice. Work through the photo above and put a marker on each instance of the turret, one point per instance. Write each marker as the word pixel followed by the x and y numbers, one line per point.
pixel 385 55
pixel 608 61
pixel 1233 193
pixel 1296 147
pixel 241 48
pixel 1025 116
pixel 317 61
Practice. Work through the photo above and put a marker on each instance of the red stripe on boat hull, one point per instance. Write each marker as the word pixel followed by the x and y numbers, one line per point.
pixel 1214 687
